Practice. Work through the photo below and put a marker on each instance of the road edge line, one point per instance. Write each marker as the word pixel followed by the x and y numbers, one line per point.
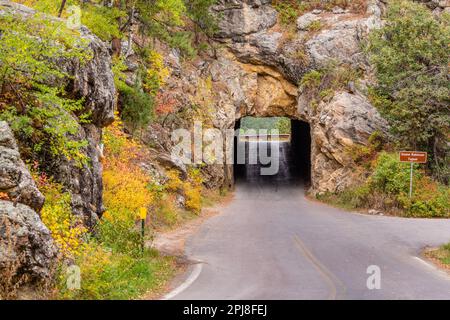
pixel 432 266
pixel 189 281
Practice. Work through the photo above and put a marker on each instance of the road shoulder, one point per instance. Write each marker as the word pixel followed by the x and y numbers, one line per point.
pixel 172 243
pixel 438 257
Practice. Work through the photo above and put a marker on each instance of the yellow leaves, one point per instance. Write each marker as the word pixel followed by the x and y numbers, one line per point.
pixel 125 183
pixel 106 216
pixel 157 62
pixel 46 6
pixel 93 261
pixel 125 191
pixel 191 188
pixel 157 74
pixel 174 182
pixel 193 199
pixel 66 229
pixel 119 147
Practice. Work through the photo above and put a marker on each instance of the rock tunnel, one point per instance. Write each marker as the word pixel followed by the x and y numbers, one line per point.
pixel 289 155
pixel 323 132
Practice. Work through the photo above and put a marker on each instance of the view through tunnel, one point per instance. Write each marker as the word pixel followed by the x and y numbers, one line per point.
pixel 266 159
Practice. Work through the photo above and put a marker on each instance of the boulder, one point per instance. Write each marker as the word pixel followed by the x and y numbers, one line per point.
pixel 305 20
pixel 340 39
pixel 27 250
pixel 239 18
pixel 94 80
pixel 84 183
pixel 15 179
pixel 337 126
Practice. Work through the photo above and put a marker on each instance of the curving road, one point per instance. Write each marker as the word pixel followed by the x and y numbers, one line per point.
pixel 271 242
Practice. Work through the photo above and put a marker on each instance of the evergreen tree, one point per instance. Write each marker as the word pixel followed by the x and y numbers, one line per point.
pixel 410 54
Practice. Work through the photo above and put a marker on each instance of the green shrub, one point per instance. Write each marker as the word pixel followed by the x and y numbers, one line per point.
pixel 410 55
pixel 430 200
pixel 321 84
pixel 387 188
pixel 351 198
pixel 311 80
pixel 288 11
pixel 136 106
pixel 315 26
pixel 33 99
pixel 392 176
pixel 120 236
pixel 102 21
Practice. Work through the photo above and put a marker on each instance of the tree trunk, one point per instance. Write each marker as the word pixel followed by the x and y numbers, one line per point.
pixel 116 46
pixel 63 4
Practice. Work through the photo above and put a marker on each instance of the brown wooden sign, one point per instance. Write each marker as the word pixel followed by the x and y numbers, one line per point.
pixel 413 156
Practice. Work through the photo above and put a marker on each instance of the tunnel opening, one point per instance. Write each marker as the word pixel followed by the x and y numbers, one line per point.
pixel 300 147
pixel 289 152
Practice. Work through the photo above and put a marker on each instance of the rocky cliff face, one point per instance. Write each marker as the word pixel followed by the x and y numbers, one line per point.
pixel 27 250
pixel 15 179
pixel 258 70
pixel 26 246
pixel 94 82
pixel 438 6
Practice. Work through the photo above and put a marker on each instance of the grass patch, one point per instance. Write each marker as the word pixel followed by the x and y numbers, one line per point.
pixel 118 276
pixel 347 199
pixel 440 256
pixel 320 85
pixel 211 198
pixel 444 254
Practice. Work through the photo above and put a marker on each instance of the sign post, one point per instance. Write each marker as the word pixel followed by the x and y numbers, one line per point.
pixel 411 180
pixel 143 216
pixel 412 157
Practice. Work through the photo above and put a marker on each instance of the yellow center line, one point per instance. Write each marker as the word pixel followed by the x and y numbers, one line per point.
pixel 329 278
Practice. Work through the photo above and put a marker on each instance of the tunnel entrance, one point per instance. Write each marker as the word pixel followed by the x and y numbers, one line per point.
pixel 286 158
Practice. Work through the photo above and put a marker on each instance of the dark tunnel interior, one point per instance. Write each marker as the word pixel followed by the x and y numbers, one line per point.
pixel 294 158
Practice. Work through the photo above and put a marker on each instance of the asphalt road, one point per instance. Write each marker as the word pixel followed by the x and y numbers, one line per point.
pixel 271 242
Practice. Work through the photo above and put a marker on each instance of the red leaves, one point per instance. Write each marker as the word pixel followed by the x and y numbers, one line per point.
pixel 165 103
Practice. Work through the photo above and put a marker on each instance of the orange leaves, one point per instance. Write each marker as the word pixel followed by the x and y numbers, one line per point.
pixel 125 183
pixel 166 104
pixel 4 196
